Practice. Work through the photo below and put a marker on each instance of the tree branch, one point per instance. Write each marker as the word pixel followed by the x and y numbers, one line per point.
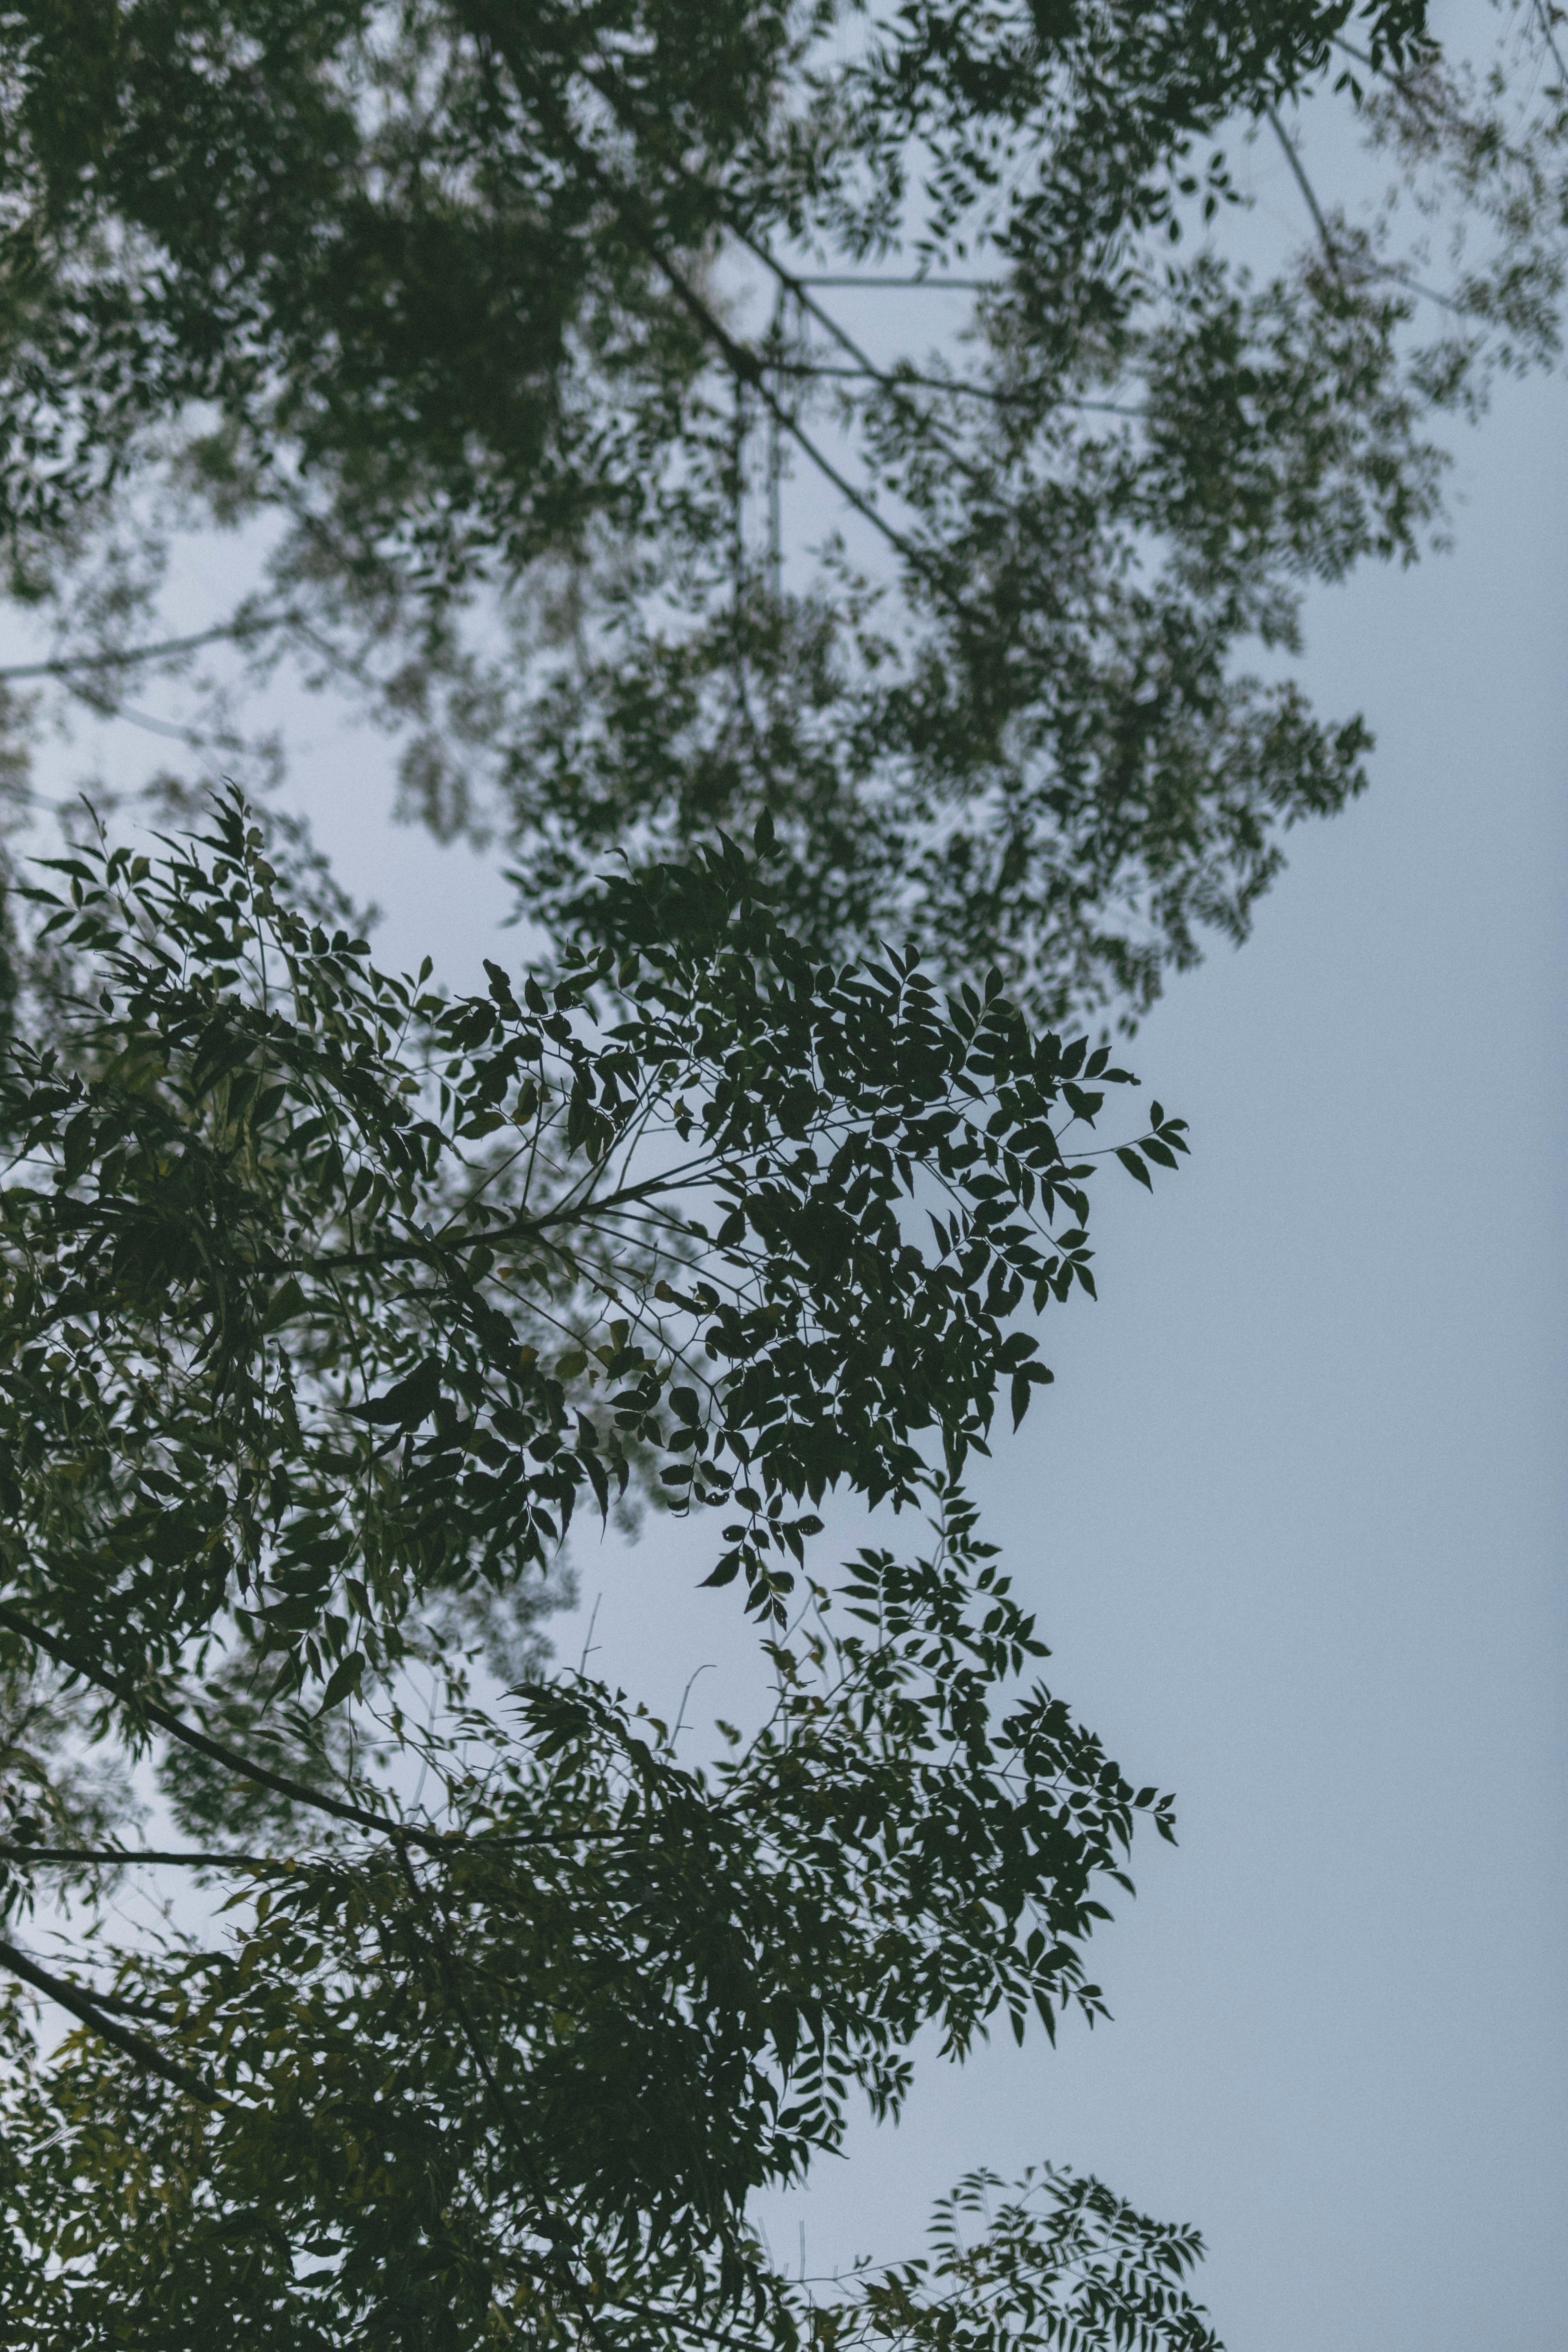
pixel 747 368
pixel 68 665
pixel 132 2045
pixel 1543 18
pixel 214 1750
pixel 799 288
pixel 603 83
pixel 518 1229
pixel 1306 187
pixel 743 364
pixel 436 1842
pixel 65 1855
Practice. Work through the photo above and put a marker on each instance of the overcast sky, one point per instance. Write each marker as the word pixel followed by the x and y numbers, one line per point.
pixel 1293 1522
pixel 1292 1519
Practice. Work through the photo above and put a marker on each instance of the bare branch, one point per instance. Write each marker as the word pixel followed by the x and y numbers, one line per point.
pixel 1306 187
pixel 71 664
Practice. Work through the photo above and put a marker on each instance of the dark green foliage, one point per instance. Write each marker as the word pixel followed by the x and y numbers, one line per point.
pixel 608 2000
pixel 1061 2261
pixel 329 1299
pixel 306 1252
pixel 395 235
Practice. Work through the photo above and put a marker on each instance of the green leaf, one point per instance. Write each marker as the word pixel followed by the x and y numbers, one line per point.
pixel 344 1682
pixel 286 1301
pixel 408 1401
pixel 76 1146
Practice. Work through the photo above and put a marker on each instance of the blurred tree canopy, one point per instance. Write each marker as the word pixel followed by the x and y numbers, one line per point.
pixel 534 352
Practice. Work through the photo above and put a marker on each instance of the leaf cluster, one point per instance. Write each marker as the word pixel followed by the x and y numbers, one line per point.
pixel 539 2060
pixel 289 1237
pixel 502 2057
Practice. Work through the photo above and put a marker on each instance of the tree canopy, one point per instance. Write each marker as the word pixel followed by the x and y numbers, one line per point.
pixel 536 350
pixel 868 728
pixel 328 1298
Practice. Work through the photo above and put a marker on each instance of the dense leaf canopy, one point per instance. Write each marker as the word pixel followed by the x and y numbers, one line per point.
pixel 328 1298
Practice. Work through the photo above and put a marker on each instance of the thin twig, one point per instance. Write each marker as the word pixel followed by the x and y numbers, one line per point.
pixel 1306 187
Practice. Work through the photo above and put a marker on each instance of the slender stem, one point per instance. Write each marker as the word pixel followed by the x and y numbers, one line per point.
pixel 65 1855
pixel 1306 187
pixel 234 632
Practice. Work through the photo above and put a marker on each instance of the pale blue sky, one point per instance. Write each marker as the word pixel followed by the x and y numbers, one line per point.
pixel 1292 1517
pixel 1293 1521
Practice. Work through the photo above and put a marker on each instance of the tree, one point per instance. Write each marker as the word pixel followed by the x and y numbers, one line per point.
pixel 505 330
pixel 328 1299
